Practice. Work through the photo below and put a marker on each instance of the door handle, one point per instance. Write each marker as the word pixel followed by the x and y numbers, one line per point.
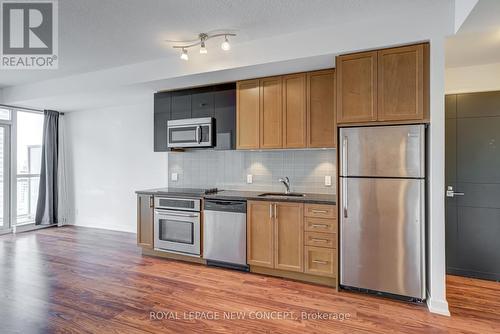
pixel 198 134
pixel 166 214
pixel 451 193
pixel 275 212
pixel 151 202
pixel 344 196
pixel 344 156
pixel 320 262
pixel 319 211
pixel 270 211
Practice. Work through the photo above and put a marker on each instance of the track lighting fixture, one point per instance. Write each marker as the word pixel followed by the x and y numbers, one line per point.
pixel 202 38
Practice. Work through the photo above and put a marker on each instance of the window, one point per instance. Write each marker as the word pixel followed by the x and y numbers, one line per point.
pixel 29 153
pixel 4 114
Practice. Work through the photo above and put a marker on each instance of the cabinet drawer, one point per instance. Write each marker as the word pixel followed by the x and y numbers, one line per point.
pixel 320 225
pixel 320 211
pixel 320 261
pixel 320 239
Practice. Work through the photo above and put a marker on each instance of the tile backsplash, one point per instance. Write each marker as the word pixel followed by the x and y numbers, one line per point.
pixel 229 169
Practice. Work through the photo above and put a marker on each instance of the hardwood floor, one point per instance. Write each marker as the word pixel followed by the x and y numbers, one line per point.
pixel 80 280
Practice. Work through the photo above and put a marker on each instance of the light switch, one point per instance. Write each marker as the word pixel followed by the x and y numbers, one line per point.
pixel 328 180
pixel 249 178
pixel 175 176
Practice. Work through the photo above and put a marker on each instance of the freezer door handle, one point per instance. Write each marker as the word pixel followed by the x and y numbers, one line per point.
pixel 344 156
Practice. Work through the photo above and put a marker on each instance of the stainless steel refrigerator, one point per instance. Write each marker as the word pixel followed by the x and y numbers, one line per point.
pixel 382 213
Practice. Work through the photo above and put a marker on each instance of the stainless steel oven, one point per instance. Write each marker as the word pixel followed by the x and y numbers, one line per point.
pixel 191 132
pixel 177 225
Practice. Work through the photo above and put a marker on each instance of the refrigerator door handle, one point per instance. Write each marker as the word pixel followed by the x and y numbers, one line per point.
pixel 344 196
pixel 344 156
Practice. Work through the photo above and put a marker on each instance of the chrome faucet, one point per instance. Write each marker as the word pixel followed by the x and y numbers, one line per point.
pixel 286 181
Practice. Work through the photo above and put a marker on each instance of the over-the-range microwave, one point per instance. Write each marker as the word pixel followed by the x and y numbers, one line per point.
pixel 191 132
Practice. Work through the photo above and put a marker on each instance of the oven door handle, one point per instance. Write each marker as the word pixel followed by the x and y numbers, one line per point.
pixel 163 213
pixel 198 134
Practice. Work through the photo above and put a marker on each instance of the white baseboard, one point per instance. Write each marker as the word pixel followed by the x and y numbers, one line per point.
pixel 438 306
pixel 109 227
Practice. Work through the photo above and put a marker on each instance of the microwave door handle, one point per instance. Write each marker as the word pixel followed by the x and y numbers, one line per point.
pixel 198 134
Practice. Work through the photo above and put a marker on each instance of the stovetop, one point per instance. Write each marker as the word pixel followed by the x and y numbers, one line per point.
pixel 178 192
pixel 193 191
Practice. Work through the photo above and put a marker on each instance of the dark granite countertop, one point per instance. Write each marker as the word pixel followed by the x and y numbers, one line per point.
pixel 254 195
pixel 241 195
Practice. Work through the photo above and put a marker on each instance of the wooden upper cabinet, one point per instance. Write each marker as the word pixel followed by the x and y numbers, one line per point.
pixel 271 113
pixel 357 87
pixel 401 83
pixel 145 221
pixel 294 110
pixel 288 236
pixel 248 114
pixel 321 109
pixel 260 231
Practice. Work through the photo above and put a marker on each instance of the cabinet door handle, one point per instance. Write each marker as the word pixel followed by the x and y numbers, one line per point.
pixel 319 211
pixel 320 262
pixel 319 240
pixel 319 225
pixel 270 211
pixel 275 212
pixel 151 202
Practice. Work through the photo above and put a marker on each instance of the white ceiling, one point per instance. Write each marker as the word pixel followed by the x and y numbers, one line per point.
pixel 478 40
pixel 100 34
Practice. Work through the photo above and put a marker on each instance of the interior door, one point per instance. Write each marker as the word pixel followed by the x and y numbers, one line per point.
pixel 473 172
pixel 4 177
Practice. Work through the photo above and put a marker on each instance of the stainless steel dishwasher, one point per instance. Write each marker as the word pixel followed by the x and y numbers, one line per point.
pixel 225 233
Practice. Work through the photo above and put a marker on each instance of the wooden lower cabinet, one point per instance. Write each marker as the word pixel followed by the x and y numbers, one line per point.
pixel 274 238
pixel 293 240
pixel 320 261
pixel 260 233
pixel 288 236
pixel 145 221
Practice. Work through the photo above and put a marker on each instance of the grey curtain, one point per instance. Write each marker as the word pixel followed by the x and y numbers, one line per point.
pixel 46 207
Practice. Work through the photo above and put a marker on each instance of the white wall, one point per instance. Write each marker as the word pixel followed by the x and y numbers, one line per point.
pixel 468 79
pixel 110 153
pixel 436 256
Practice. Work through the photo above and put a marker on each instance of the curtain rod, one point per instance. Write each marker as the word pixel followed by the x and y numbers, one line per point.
pixel 25 108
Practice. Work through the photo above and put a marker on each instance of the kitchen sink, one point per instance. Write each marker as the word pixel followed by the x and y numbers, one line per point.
pixel 281 195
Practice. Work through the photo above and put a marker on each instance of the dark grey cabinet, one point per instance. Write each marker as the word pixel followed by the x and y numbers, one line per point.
pixel 225 117
pixel 181 104
pixel 162 113
pixel 202 102
pixel 218 101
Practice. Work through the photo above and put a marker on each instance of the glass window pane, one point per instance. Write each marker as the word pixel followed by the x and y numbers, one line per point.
pixel 4 114
pixel 29 157
pixel 29 142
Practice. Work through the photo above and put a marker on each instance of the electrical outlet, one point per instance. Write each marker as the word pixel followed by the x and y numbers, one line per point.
pixel 328 181
pixel 249 178
pixel 175 176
